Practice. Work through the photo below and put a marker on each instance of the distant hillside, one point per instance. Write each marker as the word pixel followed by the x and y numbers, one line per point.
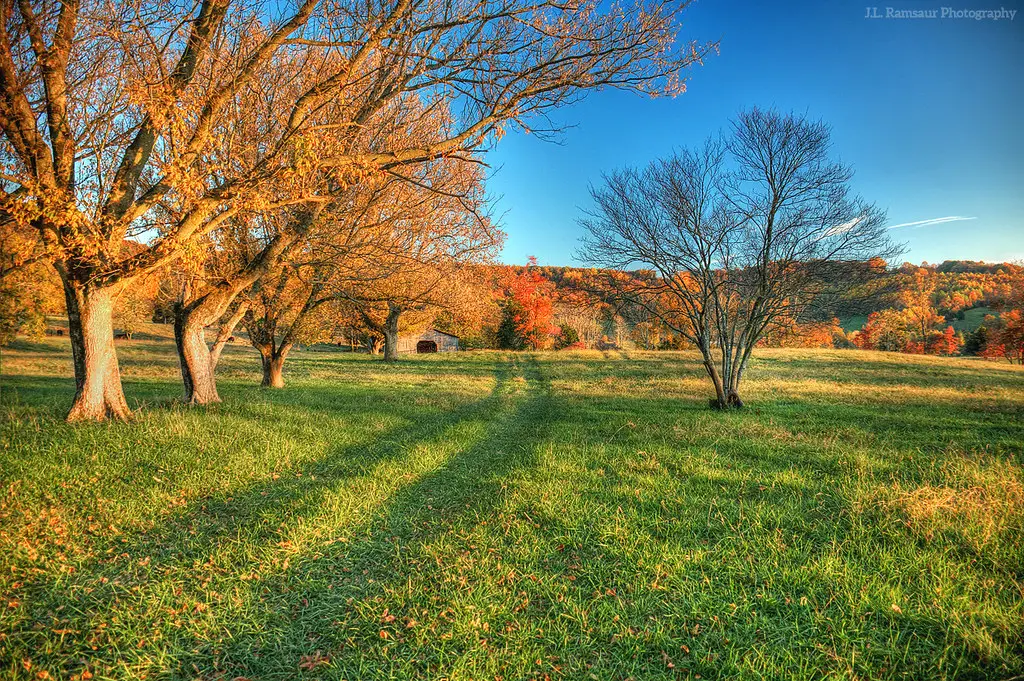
pixel 962 291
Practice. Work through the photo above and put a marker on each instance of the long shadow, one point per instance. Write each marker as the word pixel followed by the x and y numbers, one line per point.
pixel 356 365
pixel 375 557
pixel 190 536
pixel 426 544
pixel 48 397
pixel 336 596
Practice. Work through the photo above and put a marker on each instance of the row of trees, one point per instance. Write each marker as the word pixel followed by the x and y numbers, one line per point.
pixel 278 148
pixel 923 300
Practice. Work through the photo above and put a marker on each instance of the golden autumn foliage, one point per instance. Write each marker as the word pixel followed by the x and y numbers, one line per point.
pixel 163 123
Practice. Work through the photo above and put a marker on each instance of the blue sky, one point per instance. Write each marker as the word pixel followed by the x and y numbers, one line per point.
pixel 929 112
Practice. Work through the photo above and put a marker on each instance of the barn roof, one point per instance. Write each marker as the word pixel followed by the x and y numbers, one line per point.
pixel 428 330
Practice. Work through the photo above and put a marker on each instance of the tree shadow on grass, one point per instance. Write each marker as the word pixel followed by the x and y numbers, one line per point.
pixel 174 547
pixel 467 573
pixel 611 583
pixel 341 581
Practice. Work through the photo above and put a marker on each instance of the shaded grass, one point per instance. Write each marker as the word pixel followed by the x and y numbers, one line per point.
pixel 488 515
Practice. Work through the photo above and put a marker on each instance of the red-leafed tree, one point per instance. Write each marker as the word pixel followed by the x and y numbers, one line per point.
pixel 945 344
pixel 993 350
pixel 1010 337
pixel 528 310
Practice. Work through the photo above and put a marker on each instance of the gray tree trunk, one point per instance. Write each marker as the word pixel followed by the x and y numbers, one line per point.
pixel 391 333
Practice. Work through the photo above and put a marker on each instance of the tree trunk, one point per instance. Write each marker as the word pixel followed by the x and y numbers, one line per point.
pixel 191 317
pixel 733 394
pixel 226 330
pixel 273 368
pixel 720 401
pixel 98 392
pixel 194 356
pixel 391 333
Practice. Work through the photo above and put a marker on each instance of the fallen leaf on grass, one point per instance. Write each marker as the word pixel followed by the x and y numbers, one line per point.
pixel 317 659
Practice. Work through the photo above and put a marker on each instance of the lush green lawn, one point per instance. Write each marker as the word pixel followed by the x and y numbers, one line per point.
pixel 500 516
pixel 973 318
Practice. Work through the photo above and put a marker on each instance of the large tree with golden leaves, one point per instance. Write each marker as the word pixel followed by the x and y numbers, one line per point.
pixel 108 110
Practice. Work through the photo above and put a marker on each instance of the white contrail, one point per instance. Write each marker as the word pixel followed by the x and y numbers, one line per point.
pixel 933 221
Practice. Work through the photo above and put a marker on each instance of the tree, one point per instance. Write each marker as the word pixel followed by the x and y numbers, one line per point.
pixel 579 308
pixel 431 239
pixel 976 341
pixel 229 322
pixel 528 309
pixel 134 305
pixel 945 344
pixel 647 334
pixel 567 338
pixel 740 233
pixel 132 120
pixel 885 331
pixel 27 295
pixel 283 313
pixel 921 316
pixel 1009 337
pixel 381 237
pixel 477 316
pixel 813 334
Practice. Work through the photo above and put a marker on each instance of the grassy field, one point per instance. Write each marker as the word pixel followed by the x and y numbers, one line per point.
pixel 516 516
pixel 973 318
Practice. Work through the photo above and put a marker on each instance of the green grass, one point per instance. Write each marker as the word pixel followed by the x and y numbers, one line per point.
pixel 504 516
pixel 854 323
pixel 973 318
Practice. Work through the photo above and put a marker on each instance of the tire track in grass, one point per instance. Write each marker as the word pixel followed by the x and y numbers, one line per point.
pixel 251 543
pixel 404 553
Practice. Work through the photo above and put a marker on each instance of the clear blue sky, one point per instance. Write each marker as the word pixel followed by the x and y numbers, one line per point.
pixel 929 112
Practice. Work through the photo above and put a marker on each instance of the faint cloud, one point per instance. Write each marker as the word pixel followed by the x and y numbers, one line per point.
pixel 841 229
pixel 933 221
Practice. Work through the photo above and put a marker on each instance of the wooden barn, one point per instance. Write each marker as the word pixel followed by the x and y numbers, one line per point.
pixel 430 340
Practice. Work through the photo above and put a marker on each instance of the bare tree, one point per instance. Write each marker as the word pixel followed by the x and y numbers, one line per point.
pixel 108 112
pixel 738 235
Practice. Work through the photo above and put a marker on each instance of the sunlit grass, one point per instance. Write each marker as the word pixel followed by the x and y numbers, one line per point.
pixel 489 515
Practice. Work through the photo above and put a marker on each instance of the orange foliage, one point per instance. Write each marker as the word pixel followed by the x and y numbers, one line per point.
pixel 791 334
pixel 1010 338
pixel 945 344
pixel 529 305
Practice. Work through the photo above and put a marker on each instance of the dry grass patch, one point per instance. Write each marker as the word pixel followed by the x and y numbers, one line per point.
pixel 980 499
